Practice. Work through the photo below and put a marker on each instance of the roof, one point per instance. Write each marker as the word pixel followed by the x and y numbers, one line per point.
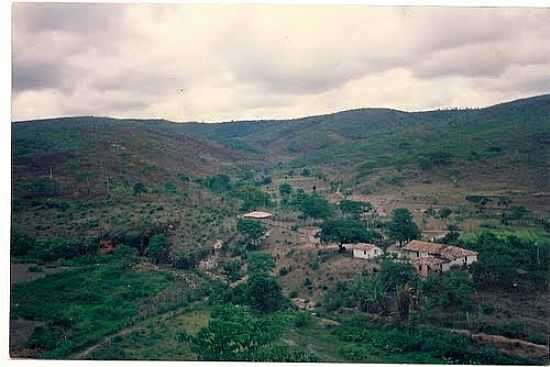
pixel 446 251
pixel 362 246
pixel 423 246
pixel 453 252
pixel 257 215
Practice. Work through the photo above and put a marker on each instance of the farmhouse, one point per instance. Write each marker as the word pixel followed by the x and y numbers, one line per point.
pixel 257 215
pixel 364 250
pixel 428 257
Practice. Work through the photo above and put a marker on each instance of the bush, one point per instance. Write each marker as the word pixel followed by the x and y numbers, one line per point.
pixel 190 258
pixel 283 271
pixel 21 244
pixel 264 293
pixel 158 248
pixel 232 270
pixel 59 248
pixel 139 188
pixel 314 263
pixel 45 337
pixel 302 319
pixel 445 212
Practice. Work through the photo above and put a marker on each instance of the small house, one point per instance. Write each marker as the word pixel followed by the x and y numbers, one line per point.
pixel 365 250
pixel 257 215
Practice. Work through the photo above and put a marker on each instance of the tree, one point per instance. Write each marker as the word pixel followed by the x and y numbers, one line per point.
pixel 219 183
pixel 354 209
pixel 445 212
pixel 452 237
pixel 369 293
pixel 232 270
pixel 43 187
pixel 518 212
pixel 452 289
pixel 139 188
pixel 285 189
pixel 232 334
pixel 480 201
pixel 158 248
pixel 251 229
pixel 315 206
pixel 260 263
pixel 394 275
pixel 346 231
pixel 21 244
pixel 402 227
pixel 263 293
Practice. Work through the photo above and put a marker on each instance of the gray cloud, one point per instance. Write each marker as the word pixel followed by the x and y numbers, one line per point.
pixel 208 62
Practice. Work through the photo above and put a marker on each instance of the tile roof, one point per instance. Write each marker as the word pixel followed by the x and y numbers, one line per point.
pixel 445 251
pixel 423 246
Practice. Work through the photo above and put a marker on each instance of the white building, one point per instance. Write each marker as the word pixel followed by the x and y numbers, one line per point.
pixel 365 250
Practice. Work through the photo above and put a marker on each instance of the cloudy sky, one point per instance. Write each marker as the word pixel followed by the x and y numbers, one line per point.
pixel 229 62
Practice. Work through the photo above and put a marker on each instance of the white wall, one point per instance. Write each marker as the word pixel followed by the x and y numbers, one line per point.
pixel 370 254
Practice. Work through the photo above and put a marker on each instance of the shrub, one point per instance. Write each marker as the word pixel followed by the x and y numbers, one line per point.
pixel 445 212
pixel 283 271
pixel 190 258
pixel 314 263
pixel 21 244
pixel 158 248
pixel 263 293
pixel 302 319
pixel 139 188
pixel 232 270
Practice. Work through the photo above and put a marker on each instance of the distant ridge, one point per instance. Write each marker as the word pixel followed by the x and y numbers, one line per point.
pixel 537 98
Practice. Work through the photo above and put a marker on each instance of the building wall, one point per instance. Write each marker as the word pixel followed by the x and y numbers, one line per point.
pixel 414 255
pixel 366 254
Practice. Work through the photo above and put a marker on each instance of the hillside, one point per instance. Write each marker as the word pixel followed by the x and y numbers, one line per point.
pixel 364 139
pixel 127 239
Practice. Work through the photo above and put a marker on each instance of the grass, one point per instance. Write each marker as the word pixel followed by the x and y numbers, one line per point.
pixel 522 232
pixel 82 306
pixel 155 338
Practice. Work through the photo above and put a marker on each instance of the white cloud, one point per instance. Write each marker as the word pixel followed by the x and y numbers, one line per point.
pixel 223 62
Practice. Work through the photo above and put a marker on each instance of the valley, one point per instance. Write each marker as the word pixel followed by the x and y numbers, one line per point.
pixel 129 242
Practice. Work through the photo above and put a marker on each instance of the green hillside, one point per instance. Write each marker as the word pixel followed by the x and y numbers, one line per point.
pixel 127 240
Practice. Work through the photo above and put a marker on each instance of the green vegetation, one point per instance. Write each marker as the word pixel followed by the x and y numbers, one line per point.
pixel 508 261
pixel 89 303
pixel 162 194
pixel 158 248
pixel 252 230
pixel 346 231
pixel 402 227
pixel 367 342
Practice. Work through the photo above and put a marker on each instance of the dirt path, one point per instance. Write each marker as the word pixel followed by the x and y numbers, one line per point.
pixel 107 339
pixel 516 347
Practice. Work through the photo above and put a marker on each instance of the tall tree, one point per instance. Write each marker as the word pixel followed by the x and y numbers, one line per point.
pixel 402 227
pixel 346 231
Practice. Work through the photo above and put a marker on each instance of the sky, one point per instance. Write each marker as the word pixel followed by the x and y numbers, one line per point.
pixel 233 62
